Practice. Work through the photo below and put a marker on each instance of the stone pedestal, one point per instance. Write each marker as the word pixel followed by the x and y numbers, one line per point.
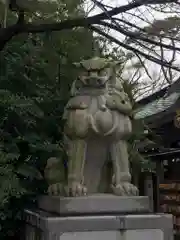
pixel 93 205
pixel 96 218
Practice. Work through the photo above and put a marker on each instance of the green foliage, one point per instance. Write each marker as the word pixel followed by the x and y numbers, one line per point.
pixel 36 72
pixel 18 183
pixel 138 161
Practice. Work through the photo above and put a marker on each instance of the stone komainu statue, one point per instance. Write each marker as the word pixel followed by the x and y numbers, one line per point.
pixel 98 111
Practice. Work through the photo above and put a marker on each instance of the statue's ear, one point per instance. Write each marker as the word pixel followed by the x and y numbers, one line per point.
pixel 77 65
pixel 117 63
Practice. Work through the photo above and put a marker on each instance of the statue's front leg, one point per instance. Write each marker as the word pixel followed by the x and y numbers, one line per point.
pixel 121 183
pixel 76 161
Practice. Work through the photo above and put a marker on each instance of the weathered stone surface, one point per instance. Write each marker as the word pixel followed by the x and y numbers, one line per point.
pixel 115 227
pixel 95 204
pixel 97 125
pixel 150 234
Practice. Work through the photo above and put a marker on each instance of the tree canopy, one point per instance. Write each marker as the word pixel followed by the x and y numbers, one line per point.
pixel 146 29
pixel 36 72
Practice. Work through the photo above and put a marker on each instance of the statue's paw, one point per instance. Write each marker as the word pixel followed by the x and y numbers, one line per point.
pixel 56 189
pixel 76 189
pixel 125 189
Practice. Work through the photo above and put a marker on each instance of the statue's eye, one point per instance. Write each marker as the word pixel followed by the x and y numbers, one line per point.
pixel 102 73
pixel 85 73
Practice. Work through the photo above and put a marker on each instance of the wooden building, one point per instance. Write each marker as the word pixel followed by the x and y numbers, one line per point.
pixel 161 112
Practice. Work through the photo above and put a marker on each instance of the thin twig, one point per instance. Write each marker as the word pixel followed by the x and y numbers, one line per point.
pixel 128 47
pixel 137 36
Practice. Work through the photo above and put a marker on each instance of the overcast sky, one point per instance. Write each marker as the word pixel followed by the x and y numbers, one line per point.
pixel 149 17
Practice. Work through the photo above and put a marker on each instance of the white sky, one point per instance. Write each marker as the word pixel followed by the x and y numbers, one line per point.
pixel 149 16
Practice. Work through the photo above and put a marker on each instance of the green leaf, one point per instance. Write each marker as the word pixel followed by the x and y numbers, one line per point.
pixel 29 172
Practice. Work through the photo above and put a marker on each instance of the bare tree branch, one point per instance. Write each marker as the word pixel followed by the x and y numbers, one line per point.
pixel 78 22
pixel 162 67
pixel 144 66
pixel 136 51
pixel 172 60
pixel 107 19
pixel 143 31
pixel 136 35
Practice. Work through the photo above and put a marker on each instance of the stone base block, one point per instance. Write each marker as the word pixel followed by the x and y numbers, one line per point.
pixel 94 205
pixel 41 225
pixel 96 217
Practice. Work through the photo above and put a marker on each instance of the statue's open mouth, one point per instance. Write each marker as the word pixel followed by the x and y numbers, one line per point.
pixel 94 82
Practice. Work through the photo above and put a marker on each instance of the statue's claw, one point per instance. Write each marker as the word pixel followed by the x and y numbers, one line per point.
pixel 76 189
pixel 125 189
pixel 56 189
